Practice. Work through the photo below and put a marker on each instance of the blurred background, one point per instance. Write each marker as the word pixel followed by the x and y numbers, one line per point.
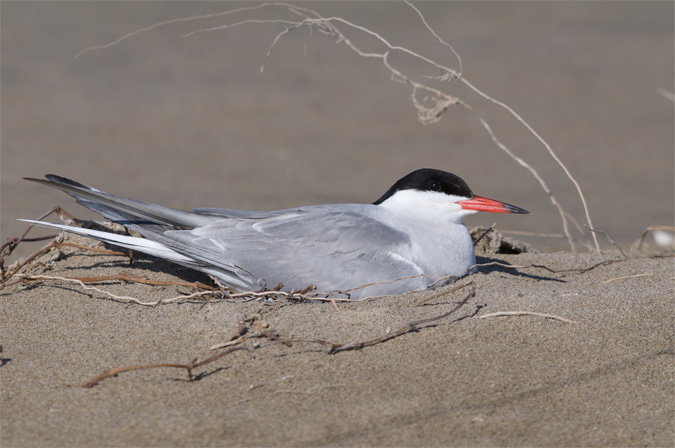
pixel 190 121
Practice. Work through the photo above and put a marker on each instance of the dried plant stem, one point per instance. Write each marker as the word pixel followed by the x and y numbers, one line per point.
pixel 188 366
pixel 16 267
pixel 413 326
pixel 554 271
pixel 443 293
pixel 637 245
pixel 492 227
pixel 110 294
pixel 525 233
pixel 527 313
pixel 611 241
pixel 169 22
pixel 433 32
pixel 130 278
pixel 8 247
pixel 626 277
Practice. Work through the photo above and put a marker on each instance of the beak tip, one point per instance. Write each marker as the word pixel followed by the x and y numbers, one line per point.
pixel 482 204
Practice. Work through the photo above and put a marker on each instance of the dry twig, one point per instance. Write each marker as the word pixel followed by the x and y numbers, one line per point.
pixel 55 244
pixel 527 313
pixel 553 271
pixel 626 277
pixel 611 241
pixel 637 245
pixel 492 227
pixel 453 289
pixel 8 247
pixel 82 284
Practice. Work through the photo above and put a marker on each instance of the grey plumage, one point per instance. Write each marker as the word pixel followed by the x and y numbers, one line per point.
pixel 410 238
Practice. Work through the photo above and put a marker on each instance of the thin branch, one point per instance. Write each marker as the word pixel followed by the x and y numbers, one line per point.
pixel 431 30
pixel 453 289
pixel 188 366
pixel 172 21
pixel 8 247
pixel 130 278
pixel 553 271
pixel 609 239
pixel 11 243
pixel 16 267
pixel 492 227
pixel 110 294
pixel 413 326
pixel 637 245
pixel 626 277
pixel 535 234
pixel 527 313
pixel 388 282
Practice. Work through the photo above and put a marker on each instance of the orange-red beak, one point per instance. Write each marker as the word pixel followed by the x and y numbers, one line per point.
pixel 482 204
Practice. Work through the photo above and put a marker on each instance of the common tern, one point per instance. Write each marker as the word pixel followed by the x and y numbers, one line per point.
pixel 410 239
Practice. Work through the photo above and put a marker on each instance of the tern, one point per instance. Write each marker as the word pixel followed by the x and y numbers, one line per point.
pixel 410 239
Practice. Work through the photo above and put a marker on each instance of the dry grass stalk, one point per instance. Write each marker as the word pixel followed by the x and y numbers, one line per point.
pixel 81 283
pixel 526 313
pixel 525 233
pixel 492 227
pixel 553 271
pixel 443 293
pixel 611 241
pixel 8 247
pixel 626 277
pixel 637 245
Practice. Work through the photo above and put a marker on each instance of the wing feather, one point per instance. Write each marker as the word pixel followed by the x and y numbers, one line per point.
pixel 330 249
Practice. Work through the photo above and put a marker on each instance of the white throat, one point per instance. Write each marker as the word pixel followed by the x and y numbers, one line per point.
pixel 426 206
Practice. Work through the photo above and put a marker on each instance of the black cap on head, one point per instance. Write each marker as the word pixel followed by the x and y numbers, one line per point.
pixel 428 179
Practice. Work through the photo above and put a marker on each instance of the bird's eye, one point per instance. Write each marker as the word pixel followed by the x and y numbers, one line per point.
pixel 435 186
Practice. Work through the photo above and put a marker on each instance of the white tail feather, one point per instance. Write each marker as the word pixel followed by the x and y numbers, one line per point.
pixel 130 242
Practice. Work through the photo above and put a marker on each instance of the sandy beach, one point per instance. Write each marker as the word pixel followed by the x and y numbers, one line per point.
pixel 191 122
pixel 597 371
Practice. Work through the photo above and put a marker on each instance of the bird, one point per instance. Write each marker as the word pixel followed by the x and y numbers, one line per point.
pixel 410 239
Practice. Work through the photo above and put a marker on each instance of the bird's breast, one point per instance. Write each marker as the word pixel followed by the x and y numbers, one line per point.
pixel 444 251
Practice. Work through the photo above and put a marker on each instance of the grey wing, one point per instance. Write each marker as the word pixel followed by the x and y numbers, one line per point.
pixel 331 250
pixel 261 215
pixel 114 207
pixel 237 214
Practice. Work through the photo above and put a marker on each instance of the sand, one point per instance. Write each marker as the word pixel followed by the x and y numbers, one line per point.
pixel 605 378
pixel 191 122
